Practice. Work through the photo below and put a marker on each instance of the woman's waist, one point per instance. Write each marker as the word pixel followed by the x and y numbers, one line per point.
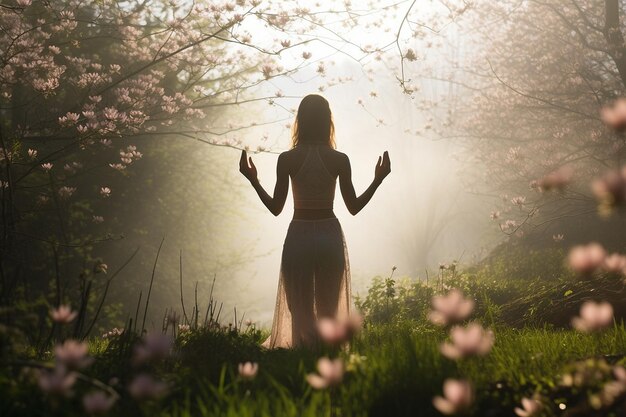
pixel 313 215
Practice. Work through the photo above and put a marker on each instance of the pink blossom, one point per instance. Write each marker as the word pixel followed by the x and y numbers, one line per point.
pixel 593 316
pixel 98 402
pixel 335 331
pixel 24 3
pixel 66 192
pixel 615 263
pixel 47 166
pixel 145 387
pixel 285 43
pixel 472 340
pixel 307 55
pixel 330 373
pixel 105 191
pixel 32 153
pixel 63 314
pixel 410 55
pixel 58 381
pixel 248 370
pixel 72 354
pixel 458 397
pixel 450 308
pixel 97 219
pixel 155 346
pixel 556 180
pixel 611 188
pixel 70 119
pixel 614 115
pixel 558 237
pixel 530 407
pixel 586 259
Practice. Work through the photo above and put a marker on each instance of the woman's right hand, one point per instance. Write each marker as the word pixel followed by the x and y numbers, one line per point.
pixel 383 167
pixel 248 171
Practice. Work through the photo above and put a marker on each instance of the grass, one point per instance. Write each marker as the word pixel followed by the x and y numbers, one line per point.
pixel 398 371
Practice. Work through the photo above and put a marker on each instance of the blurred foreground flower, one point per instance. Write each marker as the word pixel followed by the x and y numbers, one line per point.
pixel 586 259
pixel 610 190
pixel 458 397
pixel 72 354
pixel 63 314
pixel 335 331
pixel 145 387
pixel 248 370
pixel 154 346
pixel 451 308
pixel 556 180
pixel 614 114
pixel 98 402
pixel 530 407
pixel 615 263
pixel 57 381
pixel 330 373
pixel 593 316
pixel 472 340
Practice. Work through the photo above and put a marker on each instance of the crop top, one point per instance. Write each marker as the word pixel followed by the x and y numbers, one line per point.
pixel 313 186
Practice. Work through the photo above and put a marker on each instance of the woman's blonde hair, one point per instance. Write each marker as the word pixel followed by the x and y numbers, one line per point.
pixel 314 122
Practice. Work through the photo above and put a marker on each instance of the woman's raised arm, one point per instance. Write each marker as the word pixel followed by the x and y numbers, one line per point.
pixel 276 203
pixel 354 203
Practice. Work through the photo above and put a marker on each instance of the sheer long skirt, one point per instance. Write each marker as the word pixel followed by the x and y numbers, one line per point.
pixel 314 282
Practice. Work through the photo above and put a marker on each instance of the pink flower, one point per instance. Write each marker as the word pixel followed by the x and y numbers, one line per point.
pixel 330 373
pixel 57 382
pixel 558 237
pixel 47 166
pixel 145 387
pixel 614 115
pixel 530 407
pixel 615 263
pixel 586 258
pixel 248 370
pixel 97 219
pixel 335 331
pixel 63 314
pixel 72 354
pixel 105 191
pixel 66 192
pixel 472 340
pixel 556 180
pixel 32 153
pixel 98 402
pixel 458 397
pixel 593 316
pixel 611 188
pixel 451 308
pixel 24 3
pixel 155 346
pixel 410 55
pixel 285 43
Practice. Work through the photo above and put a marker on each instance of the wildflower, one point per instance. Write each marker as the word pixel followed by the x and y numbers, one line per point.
pixel 66 192
pixel 105 191
pixel 248 370
pixel 146 387
pixel 530 407
pixel 155 346
pixel 614 115
pixel 330 373
pixel 556 180
pixel 57 382
pixel 47 166
pixel 98 402
pixel 586 258
pixel 63 314
pixel 593 316
pixel 336 331
pixel 410 55
pixel 450 308
pixel 614 263
pixel 610 189
pixel 558 237
pixel 72 354
pixel 32 153
pixel 472 340
pixel 458 397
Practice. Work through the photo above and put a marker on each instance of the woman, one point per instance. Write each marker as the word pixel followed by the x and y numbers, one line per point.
pixel 315 274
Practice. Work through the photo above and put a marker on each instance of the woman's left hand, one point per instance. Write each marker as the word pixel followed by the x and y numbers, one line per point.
pixel 248 171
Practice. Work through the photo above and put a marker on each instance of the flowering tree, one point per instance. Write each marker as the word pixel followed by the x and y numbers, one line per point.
pixel 538 74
